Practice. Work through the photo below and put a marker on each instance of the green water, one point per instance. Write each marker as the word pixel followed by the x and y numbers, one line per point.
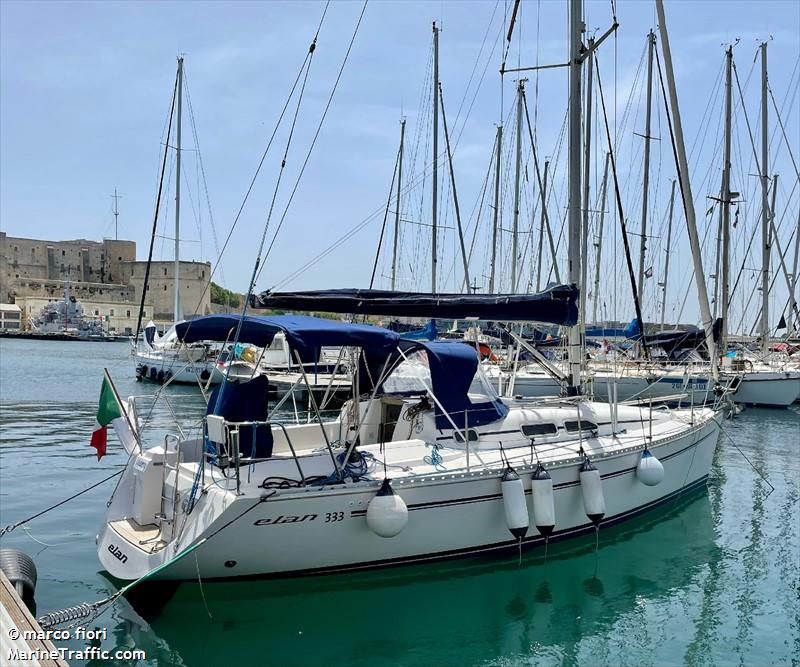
pixel 712 579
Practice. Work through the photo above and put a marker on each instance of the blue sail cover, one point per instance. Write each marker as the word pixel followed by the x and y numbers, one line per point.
pixel 630 331
pixel 556 305
pixel 428 332
pixel 453 366
pixel 303 333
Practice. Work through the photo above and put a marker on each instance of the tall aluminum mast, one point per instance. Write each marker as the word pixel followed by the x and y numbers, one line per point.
pixel 726 196
pixel 515 225
pixel 651 42
pixel 176 276
pixel 666 254
pixel 599 244
pixel 574 206
pixel 587 147
pixel 397 207
pixel 765 208
pixel 496 218
pixel 435 189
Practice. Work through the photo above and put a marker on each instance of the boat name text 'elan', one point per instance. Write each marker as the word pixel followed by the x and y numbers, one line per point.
pixel 285 519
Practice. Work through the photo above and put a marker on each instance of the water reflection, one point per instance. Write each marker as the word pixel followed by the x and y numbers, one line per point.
pixel 471 608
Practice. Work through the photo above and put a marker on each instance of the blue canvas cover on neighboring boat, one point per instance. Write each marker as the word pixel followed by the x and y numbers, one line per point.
pixel 453 366
pixel 428 332
pixel 630 331
pixel 303 333
pixel 556 305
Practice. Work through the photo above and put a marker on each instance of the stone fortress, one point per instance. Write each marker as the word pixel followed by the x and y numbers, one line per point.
pixel 104 276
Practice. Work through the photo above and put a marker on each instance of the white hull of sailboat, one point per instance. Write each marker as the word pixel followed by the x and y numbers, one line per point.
pixel 452 512
pixel 163 366
pixel 769 388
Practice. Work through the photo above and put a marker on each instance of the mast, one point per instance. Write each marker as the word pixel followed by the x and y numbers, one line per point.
pixel 435 190
pixel 496 206
pixel 686 191
pixel 176 277
pixel 542 223
pixel 725 196
pixel 765 209
pixel 515 225
pixel 586 174
pixel 574 209
pixel 651 42
pixel 397 207
pixel 115 197
pixel 599 244
pixel 666 254
pixel 455 195
pixel 790 324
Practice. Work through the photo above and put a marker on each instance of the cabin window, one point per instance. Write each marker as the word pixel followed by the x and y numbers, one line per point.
pixel 472 436
pixel 531 430
pixel 582 425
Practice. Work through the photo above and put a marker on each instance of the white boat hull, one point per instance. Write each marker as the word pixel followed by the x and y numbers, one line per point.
pixel 165 365
pixel 324 529
pixel 769 388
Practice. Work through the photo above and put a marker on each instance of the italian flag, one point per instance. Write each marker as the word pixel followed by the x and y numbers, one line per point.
pixel 109 411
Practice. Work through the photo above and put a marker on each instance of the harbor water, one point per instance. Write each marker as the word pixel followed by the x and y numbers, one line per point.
pixel 713 578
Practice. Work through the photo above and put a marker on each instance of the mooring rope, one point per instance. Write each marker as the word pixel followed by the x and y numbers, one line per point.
pixel 12 526
pixel 86 609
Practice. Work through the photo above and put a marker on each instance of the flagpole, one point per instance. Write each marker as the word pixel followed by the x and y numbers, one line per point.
pixel 117 398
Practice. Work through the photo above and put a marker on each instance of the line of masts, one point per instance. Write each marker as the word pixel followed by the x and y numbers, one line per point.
pixel 580 122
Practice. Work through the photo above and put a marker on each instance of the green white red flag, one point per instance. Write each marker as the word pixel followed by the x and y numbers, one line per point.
pixel 110 410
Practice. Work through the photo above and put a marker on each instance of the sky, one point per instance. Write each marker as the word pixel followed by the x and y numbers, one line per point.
pixel 85 91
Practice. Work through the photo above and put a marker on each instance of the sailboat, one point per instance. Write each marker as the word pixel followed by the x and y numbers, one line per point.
pixel 161 359
pixel 759 383
pixel 398 477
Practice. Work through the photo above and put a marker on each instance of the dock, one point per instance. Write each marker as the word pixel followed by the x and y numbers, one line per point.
pixel 16 621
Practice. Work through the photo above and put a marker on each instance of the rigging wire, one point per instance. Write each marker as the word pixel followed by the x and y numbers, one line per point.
pixel 313 143
pixel 621 215
pixel 385 218
pixel 265 152
pixel 155 216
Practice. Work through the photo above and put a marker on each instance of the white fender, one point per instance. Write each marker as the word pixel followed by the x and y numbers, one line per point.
pixel 594 504
pixel 514 503
pixel 544 511
pixel 387 514
pixel 650 471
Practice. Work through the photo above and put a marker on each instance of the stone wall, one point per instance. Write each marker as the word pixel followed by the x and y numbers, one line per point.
pixel 194 277
pixel 78 260
pixel 100 273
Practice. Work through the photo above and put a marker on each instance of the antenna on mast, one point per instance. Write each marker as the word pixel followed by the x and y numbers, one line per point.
pixel 116 199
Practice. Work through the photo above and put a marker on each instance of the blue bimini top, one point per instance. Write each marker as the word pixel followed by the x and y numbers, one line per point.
pixel 302 332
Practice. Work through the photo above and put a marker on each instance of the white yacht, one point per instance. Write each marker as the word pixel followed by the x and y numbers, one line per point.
pixel 397 478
